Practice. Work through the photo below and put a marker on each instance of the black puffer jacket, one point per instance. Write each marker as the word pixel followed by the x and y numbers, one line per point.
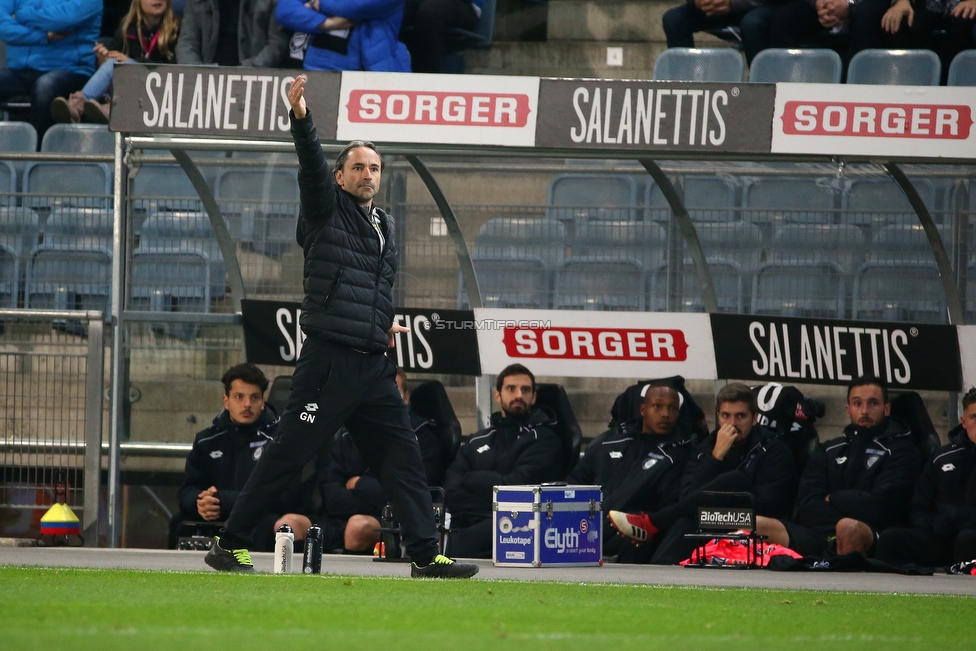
pixel 869 475
pixel 945 498
pixel 513 451
pixel 637 471
pixel 348 278
pixel 765 463
pixel 224 455
pixel 367 497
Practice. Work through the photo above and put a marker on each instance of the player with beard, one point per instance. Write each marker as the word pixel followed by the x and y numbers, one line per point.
pixel 853 486
pixel 520 447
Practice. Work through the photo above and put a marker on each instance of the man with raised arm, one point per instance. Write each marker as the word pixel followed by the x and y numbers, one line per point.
pixel 343 375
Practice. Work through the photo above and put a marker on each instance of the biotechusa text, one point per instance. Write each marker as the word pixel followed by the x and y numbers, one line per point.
pixel 485 324
pixel 216 102
pixel 651 116
pixel 841 353
pixel 733 518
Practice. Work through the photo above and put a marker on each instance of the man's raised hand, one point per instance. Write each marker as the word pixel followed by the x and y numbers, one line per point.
pixel 296 96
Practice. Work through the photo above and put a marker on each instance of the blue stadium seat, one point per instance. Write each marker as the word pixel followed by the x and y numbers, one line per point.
pixel 962 70
pixel 8 184
pixel 78 139
pixel 699 64
pixel 881 200
pixel 901 282
pixel 732 251
pixel 644 242
pixel 177 254
pixel 521 237
pixel 598 283
pixel 260 205
pixel 156 187
pixel 895 68
pixel 507 247
pixel 72 268
pixel 709 198
pixel 811 66
pixel 18 137
pixel 813 290
pixel 20 229
pixel 9 272
pixel 51 185
pixel 793 199
pixel 592 196
pixel 507 281
pixel 813 244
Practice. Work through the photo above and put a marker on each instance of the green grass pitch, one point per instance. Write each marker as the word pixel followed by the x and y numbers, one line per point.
pixel 51 608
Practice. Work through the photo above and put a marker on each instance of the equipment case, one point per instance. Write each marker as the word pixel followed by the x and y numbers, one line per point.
pixel 536 526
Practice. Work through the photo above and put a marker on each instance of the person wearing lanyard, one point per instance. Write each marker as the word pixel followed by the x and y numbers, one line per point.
pixel 147 34
pixel 343 376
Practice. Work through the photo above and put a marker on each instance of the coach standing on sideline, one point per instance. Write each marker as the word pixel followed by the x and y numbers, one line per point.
pixel 343 375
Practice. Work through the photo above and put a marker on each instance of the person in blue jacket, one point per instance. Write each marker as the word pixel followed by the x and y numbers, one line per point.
pixel 348 34
pixel 49 51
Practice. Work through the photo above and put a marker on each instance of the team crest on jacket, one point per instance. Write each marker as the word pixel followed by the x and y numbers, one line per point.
pixel 216 454
pixel 840 460
pixel 871 461
pixel 257 453
pixel 649 463
pixel 616 454
pixel 948 467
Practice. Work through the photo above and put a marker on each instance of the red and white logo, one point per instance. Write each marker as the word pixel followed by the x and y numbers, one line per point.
pixel 441 108
pixel 877 120
pixel 596 344
pixel 438 109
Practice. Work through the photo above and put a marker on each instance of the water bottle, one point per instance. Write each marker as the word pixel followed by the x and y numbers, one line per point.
pixel 312 560
pixel 284 550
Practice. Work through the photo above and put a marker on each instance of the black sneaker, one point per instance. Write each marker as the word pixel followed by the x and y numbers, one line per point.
pixel 228 560
pixel 443 567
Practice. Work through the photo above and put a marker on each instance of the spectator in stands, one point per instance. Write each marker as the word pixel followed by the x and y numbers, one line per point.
pixel 520 447
pixel 231 33
pixel 854 486
pixel 752 17
pixel 799 22
pixel 147 34
pixel 739 455
pixel 347 36
pixel 639 465
pixel 427 23
pixel 943 510
pixel 349 497
pixel 911 26
pixel 225 453
pixel 49 51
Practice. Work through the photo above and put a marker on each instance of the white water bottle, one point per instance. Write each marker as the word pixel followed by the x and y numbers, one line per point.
pixel 284 550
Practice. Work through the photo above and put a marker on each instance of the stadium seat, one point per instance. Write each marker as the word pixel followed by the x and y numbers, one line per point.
pixel 962 70
pixel 261 205
pixel 810 290
pixel 895 68
pixel 806 244
pixel 18 137
pixel 732 252
pixel 709 198
pixel 72 268
pixel 553 396
pixel 508 281
pixel 9 272
pixel 812 66
pixel 163 187
pixel 599 283
pixel 793 199
pixel 699 64
pixel 645 242
pixel 8 184
pixel 592 196
pixel 901 282
pixel 78 139
pixel 51 185
pixel 521 237
pixel 177 252
pixel 20 229
pixel 881 200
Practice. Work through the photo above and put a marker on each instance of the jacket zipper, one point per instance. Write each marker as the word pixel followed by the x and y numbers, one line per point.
pixel 331 294
pixel 376 278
